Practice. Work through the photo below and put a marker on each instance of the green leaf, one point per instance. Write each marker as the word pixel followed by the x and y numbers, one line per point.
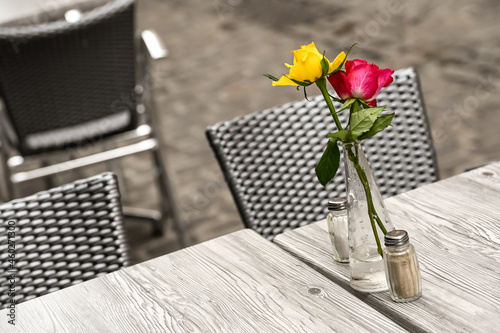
pixel 363 120
pixel 329 163
pixel 325 66
pixel 343 62
pixel 350 49
pixel 356 105
pixel 335 71
pixel 340 135
pixel 300 83
pixel 347 54
pixel 269 76
pixel 336 99
pixel 305 94
pixel 365 105
pixel 380 124
pixel 347 104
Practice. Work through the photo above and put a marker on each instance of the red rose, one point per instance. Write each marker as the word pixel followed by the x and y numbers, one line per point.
pixel 361 80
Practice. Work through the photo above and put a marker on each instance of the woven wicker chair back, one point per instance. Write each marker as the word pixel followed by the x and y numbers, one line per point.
pixel 61 237
pixel 268 157
pixel 60 74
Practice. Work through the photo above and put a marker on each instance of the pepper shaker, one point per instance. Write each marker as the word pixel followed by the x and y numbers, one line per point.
pixel 401 267
pixel 338 228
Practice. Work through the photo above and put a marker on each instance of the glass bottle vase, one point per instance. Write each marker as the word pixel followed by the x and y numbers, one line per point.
pixel 368 222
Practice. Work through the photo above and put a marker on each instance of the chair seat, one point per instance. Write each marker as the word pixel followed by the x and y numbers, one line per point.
pixel 57 138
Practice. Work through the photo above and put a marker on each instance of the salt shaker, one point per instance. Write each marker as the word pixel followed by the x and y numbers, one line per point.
pixel 338 228
pixel 401 267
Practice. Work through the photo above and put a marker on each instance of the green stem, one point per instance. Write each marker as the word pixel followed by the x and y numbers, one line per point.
pixel 354 108
pixel 321 83
pixel 372 213
pixel 371 206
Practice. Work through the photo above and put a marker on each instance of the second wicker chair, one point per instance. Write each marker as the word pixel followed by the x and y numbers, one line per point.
pixel 268 158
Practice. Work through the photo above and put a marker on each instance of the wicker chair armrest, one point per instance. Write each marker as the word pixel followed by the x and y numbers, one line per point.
pixel 153 44
pixel 151 49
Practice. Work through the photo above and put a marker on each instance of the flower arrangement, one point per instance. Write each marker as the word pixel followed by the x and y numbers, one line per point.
pixel 357 84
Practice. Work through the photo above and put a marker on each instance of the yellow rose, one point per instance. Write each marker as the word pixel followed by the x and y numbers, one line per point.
pixel 306 66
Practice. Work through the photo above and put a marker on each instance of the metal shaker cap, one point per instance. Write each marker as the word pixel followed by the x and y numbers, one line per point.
pixel 396 238
pixel 338 203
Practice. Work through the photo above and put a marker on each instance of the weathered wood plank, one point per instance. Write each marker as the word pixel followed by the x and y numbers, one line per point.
pixel 454 226
pixel 235 283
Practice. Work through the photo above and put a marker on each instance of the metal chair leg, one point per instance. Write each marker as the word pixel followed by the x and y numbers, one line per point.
pixel 154 216
pixel 159 228
pixel 7 189
pixel 49 180
pixel 168 202
pixel 115 166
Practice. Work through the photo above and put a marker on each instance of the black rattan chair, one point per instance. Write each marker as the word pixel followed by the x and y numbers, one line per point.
pixel 61 237
pixel 268 158
pixel 70 95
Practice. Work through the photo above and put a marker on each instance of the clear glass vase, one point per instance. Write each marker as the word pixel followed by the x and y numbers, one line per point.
pixel 368 222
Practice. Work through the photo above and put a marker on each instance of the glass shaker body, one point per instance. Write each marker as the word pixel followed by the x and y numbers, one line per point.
pixel 339 232
pixel 402 272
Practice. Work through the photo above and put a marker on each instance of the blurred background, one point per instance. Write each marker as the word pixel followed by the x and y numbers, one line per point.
pixel 218 50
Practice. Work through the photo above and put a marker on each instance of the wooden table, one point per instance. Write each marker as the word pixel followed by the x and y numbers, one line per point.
pixel 236 283
pixel 454 225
